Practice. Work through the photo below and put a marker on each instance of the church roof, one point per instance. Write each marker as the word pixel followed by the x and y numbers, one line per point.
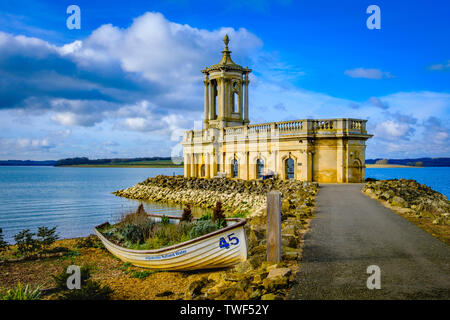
pixel 226 63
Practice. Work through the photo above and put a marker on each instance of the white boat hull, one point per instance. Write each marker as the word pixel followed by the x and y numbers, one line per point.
pixel 219 249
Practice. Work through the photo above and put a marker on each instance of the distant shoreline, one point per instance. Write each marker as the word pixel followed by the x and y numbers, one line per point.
pixel 122 166
pixel 372 166
pixel 390 166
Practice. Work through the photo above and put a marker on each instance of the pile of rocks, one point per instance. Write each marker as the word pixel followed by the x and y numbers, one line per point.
pixel 235 195
pixel 268 282
pixel 419 198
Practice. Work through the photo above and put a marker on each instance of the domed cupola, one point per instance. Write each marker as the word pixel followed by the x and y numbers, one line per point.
pixel 226 92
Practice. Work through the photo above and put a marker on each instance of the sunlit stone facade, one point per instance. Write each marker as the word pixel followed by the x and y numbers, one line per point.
pixel 325 150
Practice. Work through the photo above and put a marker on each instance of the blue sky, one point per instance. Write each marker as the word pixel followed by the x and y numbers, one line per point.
pixel 128 82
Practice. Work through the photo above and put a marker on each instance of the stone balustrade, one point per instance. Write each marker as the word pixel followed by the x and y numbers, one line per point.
pixel 258 128
pixel 283 128
pixel 290 126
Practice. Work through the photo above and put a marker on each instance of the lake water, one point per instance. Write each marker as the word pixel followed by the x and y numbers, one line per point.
pixel 73 199
pixel 77 199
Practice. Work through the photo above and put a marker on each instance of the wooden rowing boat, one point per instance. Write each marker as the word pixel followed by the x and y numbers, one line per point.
pixel 221 248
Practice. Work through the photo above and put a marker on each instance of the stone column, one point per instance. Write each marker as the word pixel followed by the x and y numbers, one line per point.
pixel 246 82
pixel 310 166
pixel 206 83
pixel 227 101
pixel 212 93
pixel 240 100
pixel 251 165
pixel 347 161
pixel 363 162
pixel 244 164
pixel 340 161
pixel 213 165
pixel 207 165
pixel 303 159
pixel 274 162
pixel 187 166
pixel 192 173
pixel 222 96
pixel 279 165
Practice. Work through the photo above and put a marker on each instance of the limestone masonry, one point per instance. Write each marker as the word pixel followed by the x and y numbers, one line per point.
pixel 325 150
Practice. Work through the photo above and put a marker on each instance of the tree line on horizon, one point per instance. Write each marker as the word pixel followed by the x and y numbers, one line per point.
pixel 87 161
pixel 418 162
pixel 79 161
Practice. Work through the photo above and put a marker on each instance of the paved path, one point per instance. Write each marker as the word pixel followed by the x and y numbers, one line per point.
pixel 352 231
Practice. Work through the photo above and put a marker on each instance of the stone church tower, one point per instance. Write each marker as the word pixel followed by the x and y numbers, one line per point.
pixel 322 150
pixel 226 92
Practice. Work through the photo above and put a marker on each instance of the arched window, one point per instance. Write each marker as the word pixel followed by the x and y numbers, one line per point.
pixel 259 168
pixel 289 167
pixel 235 167
pixel 235 97
pixel 216 106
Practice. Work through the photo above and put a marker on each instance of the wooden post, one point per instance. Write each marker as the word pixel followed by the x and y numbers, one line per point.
pixel 274 226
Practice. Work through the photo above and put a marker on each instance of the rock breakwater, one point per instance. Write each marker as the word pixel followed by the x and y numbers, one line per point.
pixel 237 196
pixel 420 200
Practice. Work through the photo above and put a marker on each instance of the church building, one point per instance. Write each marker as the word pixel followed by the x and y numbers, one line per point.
pixel 322 150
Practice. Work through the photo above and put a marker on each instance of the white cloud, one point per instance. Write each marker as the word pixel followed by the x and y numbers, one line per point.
pixel 71 47
pixel 162 51
pixel 138 124
pixel 442 136
pixel 26 143
pixel 73 119
pixel 368 73
pixel 144 116
pixel 391 130
pixel 440 66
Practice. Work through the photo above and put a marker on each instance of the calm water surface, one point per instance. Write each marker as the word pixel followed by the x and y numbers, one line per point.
pixel 73 199
pixel 77 199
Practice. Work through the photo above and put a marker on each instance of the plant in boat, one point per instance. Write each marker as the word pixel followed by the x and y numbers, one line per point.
pixel 218 216
pixel 187 214
pixel 202 227
pixel 140 232
pixel 206 216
